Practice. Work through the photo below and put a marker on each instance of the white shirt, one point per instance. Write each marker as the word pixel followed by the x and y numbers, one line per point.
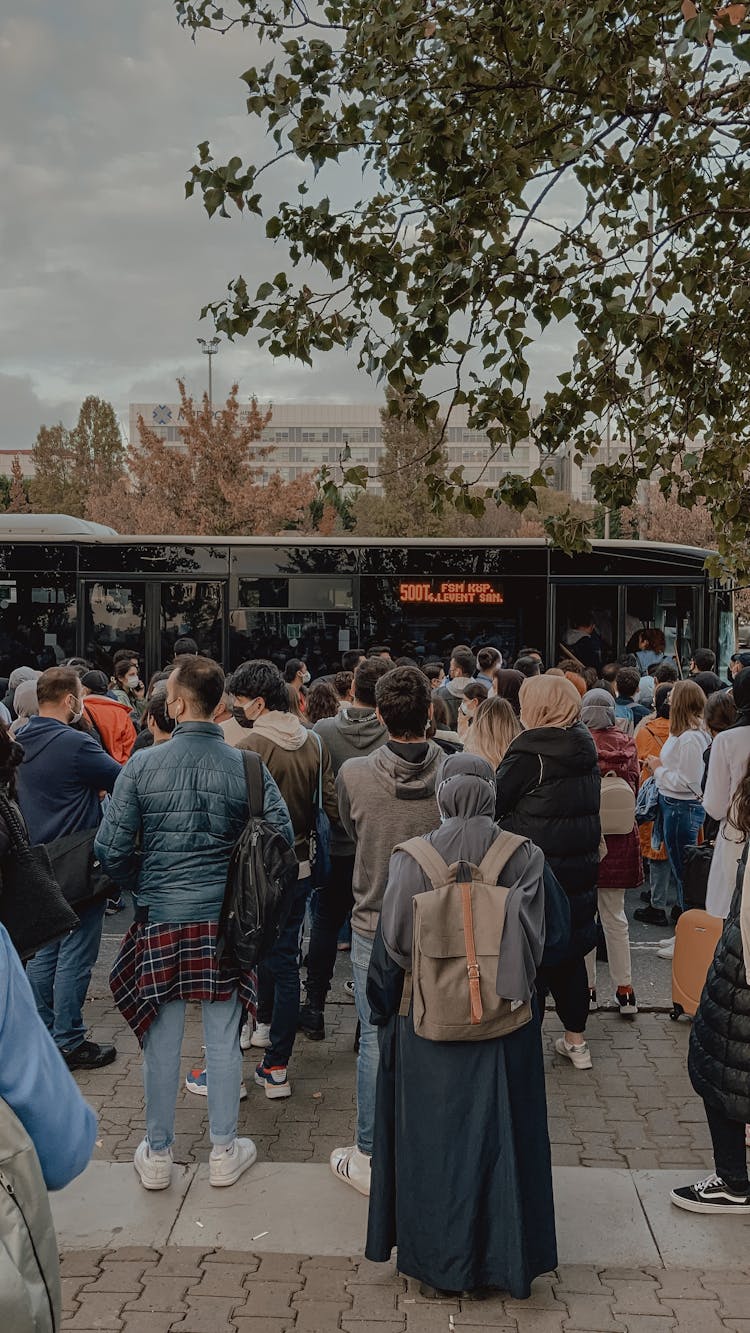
pixel 727 765
pixel 681 771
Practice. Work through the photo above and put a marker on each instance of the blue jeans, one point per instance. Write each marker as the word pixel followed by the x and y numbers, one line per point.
pixel 369 1054
pixel 60 974
pixel 278 983
pixel 682 823
pixel 162 1045
pixel 662 884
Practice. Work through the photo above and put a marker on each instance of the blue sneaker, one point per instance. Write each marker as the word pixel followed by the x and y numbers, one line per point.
pixel 197 1082
pixel 274 1081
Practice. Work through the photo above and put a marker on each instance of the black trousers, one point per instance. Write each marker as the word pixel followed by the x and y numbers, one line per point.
pixel 568 984
pixel 730 1152
pixel 332 906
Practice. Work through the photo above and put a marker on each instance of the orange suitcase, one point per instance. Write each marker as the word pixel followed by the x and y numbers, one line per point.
pixel 696 937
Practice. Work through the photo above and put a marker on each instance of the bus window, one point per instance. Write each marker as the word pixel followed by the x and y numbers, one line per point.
pixel 37 621
pixel 670 609
pixel 195 610
pixel 317 637
pixel 115 617
pixel 586 624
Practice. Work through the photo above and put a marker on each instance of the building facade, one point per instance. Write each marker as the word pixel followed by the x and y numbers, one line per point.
pixel 307 436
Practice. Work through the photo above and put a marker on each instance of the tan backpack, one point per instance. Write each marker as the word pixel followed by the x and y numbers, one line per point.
pixel 616 806
pixel 457 933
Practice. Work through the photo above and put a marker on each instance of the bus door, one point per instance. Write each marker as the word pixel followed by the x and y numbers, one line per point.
pixel 192 609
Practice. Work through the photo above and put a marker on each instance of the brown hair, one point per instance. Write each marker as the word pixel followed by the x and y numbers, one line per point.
pixel 55 683
pixel 739 812
pixel 654 638
pixel 202 679
pixel 403 698
pixel 295 706
pixel 720 711
pixel 342 683
pixel 685 707
pixel 322 701
pixel 495 725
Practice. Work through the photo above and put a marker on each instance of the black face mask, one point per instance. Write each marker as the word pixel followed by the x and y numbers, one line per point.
pixel 240 716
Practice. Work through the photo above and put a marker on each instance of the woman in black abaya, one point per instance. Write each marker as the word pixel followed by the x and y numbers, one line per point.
pixel 461 1175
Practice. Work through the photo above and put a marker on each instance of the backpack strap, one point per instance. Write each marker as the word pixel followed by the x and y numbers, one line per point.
pixel 495 860
pixel 428 859
pixel 472 964
pixel 253 781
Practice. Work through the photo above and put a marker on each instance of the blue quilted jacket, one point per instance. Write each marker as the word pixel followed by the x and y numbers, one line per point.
pixel 175 814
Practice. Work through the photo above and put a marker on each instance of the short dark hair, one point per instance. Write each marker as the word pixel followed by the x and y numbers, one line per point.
pixel 122 668
pixel 627 681
pixel 609 671
pixel 322 701
pixel 440 714
pixel 185 647
pixel 704 659
pixel 342 683
pixel 260 679
pixel 629 660
pixel 351 658
pixel 476 689
pixel 292 667
pixel 720 712
pixel 202 679
pixel 124 655
pixel 366 677
pixel 403 698
pixel 57 682
pixel 528 666
pixel 464 658
pixel 433 670
pixel 666 673
pixel 157 709
pixel 377 649
pixel 158 678
pixel 487 657
pixel 406 661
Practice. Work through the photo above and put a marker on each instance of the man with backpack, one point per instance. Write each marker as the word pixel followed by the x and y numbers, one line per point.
pixel 384 799
pixel 176 814
pixel 301 765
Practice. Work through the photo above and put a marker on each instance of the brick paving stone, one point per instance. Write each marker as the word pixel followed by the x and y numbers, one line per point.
pixel 161 1321
pixel 734 1301
pixel 540 1321
pixel 593 1313
pixel 220 1280
pixel 695 1316
pixel 645 1323
pixel 162 1292
pixel 372 1275
pixel 79 1263
pixel 281 1268
pixel 208 1314
pixel 334 1262
pixel 132 1254
pixel 271 1298
pixel 124 1277
pixel 635 1298
pixel 100 1310
pixel 682 1283
pixel 260 1324
pixel 70 1288
pixel 373 1302
pixel 318 1317
pixel 185 1261
pixel 579 1278
pixel 350 1325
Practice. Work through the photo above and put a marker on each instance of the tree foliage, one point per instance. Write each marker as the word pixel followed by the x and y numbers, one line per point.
pixel 18 498
pixel 208 483
pixel 74 468
pixel 579 164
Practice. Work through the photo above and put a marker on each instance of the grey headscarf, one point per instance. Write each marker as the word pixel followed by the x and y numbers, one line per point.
pixel 25 703
pixel 598 710
pixel 466 800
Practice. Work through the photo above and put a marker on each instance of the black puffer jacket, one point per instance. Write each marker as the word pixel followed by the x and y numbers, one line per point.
pixel 548 789
pixel 719 1052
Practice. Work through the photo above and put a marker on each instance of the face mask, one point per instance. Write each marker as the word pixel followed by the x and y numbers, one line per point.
pixel 240 716
pixel 306 678
pixel 132 682
pixel 76 715
pixel 465 710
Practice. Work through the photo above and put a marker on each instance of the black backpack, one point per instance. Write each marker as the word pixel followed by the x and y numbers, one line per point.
pixel 262 872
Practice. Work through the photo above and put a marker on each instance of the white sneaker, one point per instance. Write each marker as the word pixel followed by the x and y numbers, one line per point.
pixel 154 1169
pixel 226 1165
pixel 579 1056
pixel 246 1037
pixel 663 944
pixel 667 951
pixel 261 1036
pixel 353 1167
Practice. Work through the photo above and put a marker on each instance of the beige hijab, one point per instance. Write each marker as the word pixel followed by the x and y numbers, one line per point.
pixel 549 701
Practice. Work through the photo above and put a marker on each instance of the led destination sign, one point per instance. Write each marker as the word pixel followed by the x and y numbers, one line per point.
pixel 451 592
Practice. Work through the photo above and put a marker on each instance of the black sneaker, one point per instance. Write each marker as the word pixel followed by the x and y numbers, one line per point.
pixel 653 916
pixel 646 896
pixel 626 1002
pixel 675 914
pixel 89 1055
pixel 711 1196
pixel 311 1023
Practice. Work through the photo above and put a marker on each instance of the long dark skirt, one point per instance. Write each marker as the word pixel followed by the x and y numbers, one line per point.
pixel 461 1173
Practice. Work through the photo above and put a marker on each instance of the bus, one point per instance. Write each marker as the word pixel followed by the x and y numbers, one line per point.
pixel 72 588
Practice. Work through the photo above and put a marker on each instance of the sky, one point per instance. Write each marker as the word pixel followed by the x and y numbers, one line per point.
pixel 105 265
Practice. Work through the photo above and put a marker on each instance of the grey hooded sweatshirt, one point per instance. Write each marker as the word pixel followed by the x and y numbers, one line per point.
pixel 383 800
pixel 352 733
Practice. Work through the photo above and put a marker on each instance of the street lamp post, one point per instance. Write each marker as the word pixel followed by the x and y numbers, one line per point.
pixel 209 349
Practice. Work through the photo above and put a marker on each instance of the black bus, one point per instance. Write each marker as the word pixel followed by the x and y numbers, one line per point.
pixel 68 587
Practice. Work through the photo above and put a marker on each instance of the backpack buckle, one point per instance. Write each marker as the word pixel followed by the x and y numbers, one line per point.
pixel 473 971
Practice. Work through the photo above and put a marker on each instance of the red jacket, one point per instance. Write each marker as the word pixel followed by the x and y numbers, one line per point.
pixel 113 723
pixel 622 867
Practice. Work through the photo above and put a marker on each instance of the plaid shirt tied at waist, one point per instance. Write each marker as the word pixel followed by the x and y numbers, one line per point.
pixel 163 962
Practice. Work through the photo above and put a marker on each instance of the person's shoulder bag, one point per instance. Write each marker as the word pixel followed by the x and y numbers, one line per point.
pixel 320 839
pixel 33 908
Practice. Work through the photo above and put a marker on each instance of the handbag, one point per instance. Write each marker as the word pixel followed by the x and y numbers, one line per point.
pixel 32 906
pixel 77 869
pixel 696 868
pixel 320 837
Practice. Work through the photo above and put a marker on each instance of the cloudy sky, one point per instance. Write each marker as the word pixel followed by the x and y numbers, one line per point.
pixel 105 266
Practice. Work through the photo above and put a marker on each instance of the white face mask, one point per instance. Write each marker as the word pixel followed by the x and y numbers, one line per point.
pixel 132 682
pixel 306 678
pixel 77 714
pixel 465 710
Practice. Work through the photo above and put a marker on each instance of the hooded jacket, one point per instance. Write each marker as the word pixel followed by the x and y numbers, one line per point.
pixel 548 790
pixel 383 800
pixel 61 778
pixel 452 692
pixel 352 733
pixel 293 757
pixel 113 722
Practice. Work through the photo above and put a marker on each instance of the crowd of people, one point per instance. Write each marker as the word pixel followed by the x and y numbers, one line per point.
pixel 389 780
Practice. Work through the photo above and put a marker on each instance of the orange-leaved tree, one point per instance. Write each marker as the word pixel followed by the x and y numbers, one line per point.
pixel 207 483
pixel 18 499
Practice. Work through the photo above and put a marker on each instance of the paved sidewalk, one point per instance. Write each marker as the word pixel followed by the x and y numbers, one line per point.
pixel 635 1109
pixel 140 1290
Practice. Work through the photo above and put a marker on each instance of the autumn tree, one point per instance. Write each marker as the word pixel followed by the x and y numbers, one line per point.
pixel 72 468
pixel 208 483
pixel 661 518
pixel 55 488
pixel 18 500
pixel 579 168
